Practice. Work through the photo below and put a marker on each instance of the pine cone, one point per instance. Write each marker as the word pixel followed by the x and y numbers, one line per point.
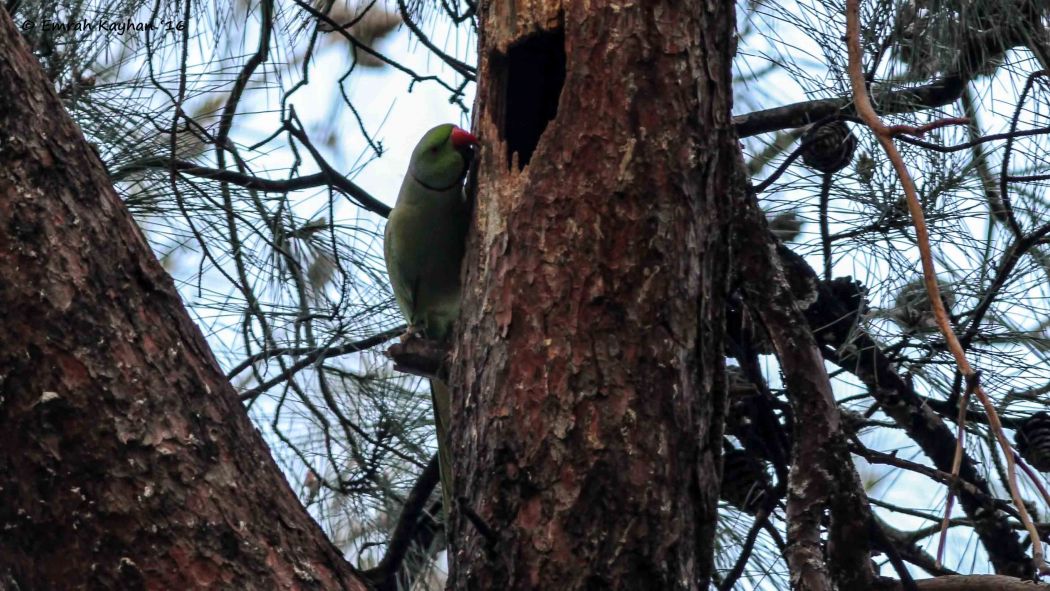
pixel 742 400
pixel 786 226
pixel 742 327
pixel 851 293
pixel 912 309
pixel 829 147
pixel 1033 441
pixel 745 482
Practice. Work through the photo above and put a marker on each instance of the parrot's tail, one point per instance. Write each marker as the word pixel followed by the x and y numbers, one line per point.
pixel 442 418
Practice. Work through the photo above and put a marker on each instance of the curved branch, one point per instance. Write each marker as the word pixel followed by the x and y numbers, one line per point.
pixel 822 475
pixel 409 523
pixel 246 181
pixel 1004 189
pixel 314 354
pixel 461 68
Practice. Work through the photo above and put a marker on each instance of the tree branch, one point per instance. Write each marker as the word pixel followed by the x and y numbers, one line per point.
pixel 822 473
pixel 313 354
pixel 384 574
pixel 248 181
pixel 935 94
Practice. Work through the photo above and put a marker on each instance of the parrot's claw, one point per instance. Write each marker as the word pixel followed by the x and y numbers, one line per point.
pixel 412 333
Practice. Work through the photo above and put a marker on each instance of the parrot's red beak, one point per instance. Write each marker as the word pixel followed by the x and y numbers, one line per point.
pixel 462 138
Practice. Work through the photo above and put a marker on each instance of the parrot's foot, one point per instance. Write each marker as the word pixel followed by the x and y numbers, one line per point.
pixel 412 333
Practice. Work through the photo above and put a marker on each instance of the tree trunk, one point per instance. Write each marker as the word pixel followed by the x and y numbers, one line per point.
pixel 126 460
pixel 588 372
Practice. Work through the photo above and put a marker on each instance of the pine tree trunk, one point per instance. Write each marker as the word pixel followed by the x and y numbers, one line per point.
pixel 588 371
pixel 126 460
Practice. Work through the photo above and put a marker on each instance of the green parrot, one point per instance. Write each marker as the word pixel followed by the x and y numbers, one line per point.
pixel 423 245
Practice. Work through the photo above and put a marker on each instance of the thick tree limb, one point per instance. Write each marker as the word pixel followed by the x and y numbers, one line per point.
pixel 909 550
pixel 420 357
pixel 822 473
pixel 126 460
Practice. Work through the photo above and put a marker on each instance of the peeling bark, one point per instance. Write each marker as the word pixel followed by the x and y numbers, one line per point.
pixel 822 474
pixel 126 460
pixel 588 373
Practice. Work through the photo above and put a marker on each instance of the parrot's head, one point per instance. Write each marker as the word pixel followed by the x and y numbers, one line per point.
pixel 441 158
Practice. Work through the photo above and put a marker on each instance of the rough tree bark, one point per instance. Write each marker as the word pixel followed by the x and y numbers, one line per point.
pixel 589 365
pixel 126 460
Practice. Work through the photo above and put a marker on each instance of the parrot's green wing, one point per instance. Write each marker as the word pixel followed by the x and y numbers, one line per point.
pixel 403 278
pixel 424 246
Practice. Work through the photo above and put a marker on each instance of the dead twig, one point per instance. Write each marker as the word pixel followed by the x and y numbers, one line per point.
pixel 921 130
pixel 972 382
